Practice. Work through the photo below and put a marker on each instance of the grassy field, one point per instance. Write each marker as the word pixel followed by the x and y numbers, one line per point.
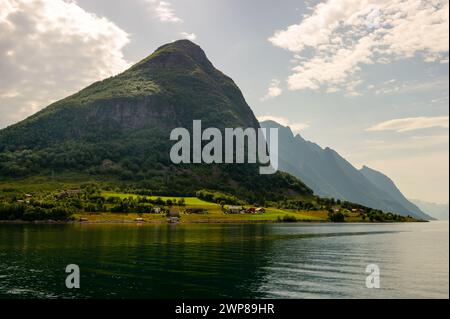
pixel 41 186
pixel 189 201
pixel 211 217
pixel 215 213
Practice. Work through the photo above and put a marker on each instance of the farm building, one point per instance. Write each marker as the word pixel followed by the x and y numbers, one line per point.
pixel 233 210
pixel 173 216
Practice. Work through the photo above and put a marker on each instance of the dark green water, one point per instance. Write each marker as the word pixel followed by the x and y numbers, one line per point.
pixel 224 261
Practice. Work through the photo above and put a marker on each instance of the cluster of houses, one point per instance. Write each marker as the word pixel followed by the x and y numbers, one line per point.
pixel 174 214
pixel 353 210
pixel 26 200
pixel 243 210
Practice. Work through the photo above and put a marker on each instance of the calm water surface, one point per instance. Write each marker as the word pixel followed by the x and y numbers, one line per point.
pixel 224 261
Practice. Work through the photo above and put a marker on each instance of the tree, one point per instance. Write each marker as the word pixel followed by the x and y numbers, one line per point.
pixel 337 217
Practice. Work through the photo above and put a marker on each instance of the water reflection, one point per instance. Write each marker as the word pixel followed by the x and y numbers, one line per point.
pixel 213 261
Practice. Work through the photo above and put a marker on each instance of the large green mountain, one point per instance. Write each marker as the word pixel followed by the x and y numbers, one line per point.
pixel 120 127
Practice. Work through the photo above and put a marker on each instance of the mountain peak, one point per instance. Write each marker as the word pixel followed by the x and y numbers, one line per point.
pixel 299 138
pixel 182 54
pixel 185 45
pixel 273 124
pixel 170 88
pixel 367 170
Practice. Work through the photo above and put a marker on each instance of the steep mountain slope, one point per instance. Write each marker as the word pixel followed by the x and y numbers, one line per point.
pixel 330 175
pixel 385 184
pixel 121 126
pixel 170 88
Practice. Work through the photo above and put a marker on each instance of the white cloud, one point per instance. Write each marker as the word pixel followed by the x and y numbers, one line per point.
pixel 49 49
pixel 164 12
pixel 339 36
pixel 411 124
pixel 296 127
pixel 189 36
pixel 273 91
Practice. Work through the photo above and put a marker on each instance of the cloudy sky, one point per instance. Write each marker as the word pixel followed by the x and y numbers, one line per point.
pixel 368 78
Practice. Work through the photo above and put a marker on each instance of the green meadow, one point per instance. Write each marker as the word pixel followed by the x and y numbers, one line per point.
pixel 39 198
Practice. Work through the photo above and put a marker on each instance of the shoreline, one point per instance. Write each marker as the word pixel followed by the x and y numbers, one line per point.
pixel 141 223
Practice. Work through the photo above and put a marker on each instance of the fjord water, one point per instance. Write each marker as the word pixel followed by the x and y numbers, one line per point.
pixel 223 260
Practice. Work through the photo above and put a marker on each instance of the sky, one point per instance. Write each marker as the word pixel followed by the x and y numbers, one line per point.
pixel 367 78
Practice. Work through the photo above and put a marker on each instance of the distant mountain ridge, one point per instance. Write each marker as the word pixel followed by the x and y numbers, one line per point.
pixel 435 210
pixel 385 184
pixel 330 175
